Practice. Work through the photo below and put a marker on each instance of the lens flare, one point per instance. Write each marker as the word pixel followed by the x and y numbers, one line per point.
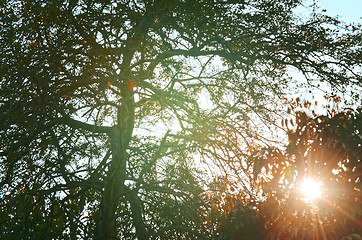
pixel 310 190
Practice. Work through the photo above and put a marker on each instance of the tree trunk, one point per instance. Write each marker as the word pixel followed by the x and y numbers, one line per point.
pixel 113 189
pixel 116 175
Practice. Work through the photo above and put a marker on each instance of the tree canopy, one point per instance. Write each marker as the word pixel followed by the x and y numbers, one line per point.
pixel 326 148
pixel 145 118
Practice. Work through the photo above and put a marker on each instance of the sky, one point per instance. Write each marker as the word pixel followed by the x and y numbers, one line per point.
pixel 348 10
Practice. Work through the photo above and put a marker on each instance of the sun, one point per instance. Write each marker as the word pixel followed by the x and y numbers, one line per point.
pixel 310 189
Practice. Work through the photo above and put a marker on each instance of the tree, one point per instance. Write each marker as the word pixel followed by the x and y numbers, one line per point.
pixel 101 117
pixel 326 148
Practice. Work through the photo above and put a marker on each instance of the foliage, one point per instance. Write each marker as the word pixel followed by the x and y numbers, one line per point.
pixel 103 132
pixel 326 148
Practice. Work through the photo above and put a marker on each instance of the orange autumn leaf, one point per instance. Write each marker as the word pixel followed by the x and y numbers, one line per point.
pixel 132 83
pixel 33 43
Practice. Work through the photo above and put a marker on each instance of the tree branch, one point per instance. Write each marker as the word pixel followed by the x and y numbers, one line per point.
pixel 136 209
pixel 84 126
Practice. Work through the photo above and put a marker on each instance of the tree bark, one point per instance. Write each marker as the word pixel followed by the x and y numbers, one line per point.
pixel 112 190
pixel 120 137
pixel 136 209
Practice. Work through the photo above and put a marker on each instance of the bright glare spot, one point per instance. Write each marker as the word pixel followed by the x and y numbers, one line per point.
pixel 310 189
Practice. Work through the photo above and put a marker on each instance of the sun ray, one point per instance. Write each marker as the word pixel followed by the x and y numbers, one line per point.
pixel 310 190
